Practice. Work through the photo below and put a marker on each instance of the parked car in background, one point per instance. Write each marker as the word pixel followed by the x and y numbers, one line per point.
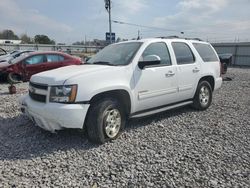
pixel 2 52
pixel 5 60
pixel 14 54
pixel 22 68
pixel 4 56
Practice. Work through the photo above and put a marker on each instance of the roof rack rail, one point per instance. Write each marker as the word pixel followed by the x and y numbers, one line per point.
pixel 177 37
pixel 169 37
pixel 194 39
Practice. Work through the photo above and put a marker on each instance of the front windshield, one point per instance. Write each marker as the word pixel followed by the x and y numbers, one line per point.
pixel 117 54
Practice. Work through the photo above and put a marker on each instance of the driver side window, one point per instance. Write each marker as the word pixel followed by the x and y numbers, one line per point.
pixel 159 49
pixel 34 60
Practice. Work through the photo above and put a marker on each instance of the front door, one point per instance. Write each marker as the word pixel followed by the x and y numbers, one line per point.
pixel 33 65
pixel 155 85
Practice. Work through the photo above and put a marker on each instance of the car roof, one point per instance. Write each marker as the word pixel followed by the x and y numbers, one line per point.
pixel 171 39
pixel 48 52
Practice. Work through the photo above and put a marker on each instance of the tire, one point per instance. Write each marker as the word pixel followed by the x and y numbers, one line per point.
pixel 105 121
pixel 14 78
pixel 203 96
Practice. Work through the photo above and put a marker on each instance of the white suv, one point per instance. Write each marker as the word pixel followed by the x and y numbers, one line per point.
pixel 124 80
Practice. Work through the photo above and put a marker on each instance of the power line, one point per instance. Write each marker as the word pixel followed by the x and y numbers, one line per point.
pixel 149 27
pixel 172 30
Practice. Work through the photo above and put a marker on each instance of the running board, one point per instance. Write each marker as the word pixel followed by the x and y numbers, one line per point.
pixel 160 109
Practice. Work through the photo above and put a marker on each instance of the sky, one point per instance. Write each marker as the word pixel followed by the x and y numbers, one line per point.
pixel 68 21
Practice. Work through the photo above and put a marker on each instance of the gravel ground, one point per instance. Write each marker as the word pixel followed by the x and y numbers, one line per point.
pixel 178 148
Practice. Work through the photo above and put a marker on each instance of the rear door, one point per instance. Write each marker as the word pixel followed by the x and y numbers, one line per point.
pixel 211 62
pixel 65 61
pixel 53 61
pixel 34 64
pixel 56 60
pixel 188 70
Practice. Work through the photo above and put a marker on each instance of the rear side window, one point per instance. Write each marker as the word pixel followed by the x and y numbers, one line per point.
pixel 183 53
pixel 206 52
pixel 61 58
pixel 53 58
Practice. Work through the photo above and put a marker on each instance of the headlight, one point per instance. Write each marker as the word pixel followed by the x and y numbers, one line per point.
pixel 63 94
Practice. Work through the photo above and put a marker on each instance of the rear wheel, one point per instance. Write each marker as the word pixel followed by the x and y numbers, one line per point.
pixel 14 78
pixel 105 121
pixel 203 96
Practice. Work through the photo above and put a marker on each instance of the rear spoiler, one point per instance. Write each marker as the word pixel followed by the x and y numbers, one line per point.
pixel 226 60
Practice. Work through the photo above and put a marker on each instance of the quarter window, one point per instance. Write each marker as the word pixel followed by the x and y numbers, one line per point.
pixel 206 52
pixel 183 53
pixel 160 49
pixel 61 58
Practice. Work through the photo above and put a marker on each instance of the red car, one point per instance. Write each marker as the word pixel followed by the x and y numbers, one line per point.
pixel 21 69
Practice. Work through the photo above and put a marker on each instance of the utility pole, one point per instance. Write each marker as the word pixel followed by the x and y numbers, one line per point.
pixel 138 38
pixel 108 8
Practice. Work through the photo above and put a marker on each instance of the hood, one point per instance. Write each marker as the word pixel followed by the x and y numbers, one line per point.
pixel 60 75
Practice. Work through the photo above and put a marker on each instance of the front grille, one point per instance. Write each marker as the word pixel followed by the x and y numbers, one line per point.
pixel 38 92
pixel 39 86
pixel 37 97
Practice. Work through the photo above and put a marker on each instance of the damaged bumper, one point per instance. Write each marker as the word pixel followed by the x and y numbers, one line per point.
pixel 54 116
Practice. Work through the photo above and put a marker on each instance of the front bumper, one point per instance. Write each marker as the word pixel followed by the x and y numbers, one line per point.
pixel 54 116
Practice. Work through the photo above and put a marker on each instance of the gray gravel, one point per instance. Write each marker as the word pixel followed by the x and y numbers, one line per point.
pixel 178 148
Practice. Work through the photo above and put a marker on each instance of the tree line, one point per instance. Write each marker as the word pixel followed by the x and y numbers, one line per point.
pixel 38 39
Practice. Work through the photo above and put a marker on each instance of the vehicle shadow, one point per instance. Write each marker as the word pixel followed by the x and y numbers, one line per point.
pixel 21 139
pixel 143 121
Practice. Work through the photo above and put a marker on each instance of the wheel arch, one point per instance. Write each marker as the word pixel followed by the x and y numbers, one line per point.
pixel 10 78
pixel 121 95
pixel 210 79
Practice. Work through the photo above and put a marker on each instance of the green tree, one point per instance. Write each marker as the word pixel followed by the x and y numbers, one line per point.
pixel 25 39
pixel 118 39
pixel 8 34
pixel 43 39
pixel 78 43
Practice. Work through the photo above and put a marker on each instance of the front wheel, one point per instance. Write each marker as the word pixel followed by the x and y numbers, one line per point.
pixel 14 78
pixel 203 96
pixel 105 121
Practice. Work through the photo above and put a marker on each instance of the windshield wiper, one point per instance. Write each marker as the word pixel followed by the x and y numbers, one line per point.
pixel 103 63
pixel 86 63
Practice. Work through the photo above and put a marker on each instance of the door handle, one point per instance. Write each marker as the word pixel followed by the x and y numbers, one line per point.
pixel 196 70
pixel 170 73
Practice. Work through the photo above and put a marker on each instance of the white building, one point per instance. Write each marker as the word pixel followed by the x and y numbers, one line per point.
pixel 6 41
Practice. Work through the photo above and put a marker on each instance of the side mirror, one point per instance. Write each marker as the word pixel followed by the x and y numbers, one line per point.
pixel 149 60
